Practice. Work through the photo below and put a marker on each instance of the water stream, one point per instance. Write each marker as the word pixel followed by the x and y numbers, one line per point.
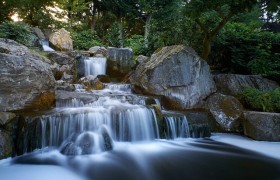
pixel 115 134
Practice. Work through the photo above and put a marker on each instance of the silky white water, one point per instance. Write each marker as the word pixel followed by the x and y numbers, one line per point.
pixel 95 66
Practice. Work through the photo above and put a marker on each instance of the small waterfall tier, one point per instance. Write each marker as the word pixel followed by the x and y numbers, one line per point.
pixel 45 45
pixel 95 66
pixel 176 125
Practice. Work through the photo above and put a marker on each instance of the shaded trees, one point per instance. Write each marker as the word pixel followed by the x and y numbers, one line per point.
pixel 212 16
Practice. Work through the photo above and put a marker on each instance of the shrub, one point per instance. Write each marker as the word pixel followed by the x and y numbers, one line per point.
pixel 85 39
pixel 19 32
pixel 135 42
pixel 261 101
pixel 247 50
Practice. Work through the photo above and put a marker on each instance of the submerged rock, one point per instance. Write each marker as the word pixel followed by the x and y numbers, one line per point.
pixel 227 112
pixel 61 40
pixel 262 126
pixel 233 84
pixel 177 73
pixel 26 81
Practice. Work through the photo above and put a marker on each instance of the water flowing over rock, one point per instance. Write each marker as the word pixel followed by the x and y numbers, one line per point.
pixel 262 126
pixel 227 112
pixel 26 81
pixel 177 73
pixel 120 61
pixel 233 84
pixel 61 40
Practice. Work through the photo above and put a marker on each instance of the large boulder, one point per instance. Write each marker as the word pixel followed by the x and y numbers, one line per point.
pixel 177 73
pixel 119 61
pixel 233 84
pixel 262 126
pixel 61 40
pixel 227 112
pixel 26 81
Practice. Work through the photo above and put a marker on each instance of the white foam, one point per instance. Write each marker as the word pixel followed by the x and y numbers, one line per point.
pixel 271 149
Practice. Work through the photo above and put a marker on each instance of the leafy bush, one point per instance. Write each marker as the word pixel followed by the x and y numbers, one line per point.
pixel 248 50
pixel 85 39
pixel 261 101
pixel 19 32
pixel 136 42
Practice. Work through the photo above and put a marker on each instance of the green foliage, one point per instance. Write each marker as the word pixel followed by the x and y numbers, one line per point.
pixel 85 39
pixel 135 42
pixel 261 101
pixel 248 50
pixel 113 35
pixel 19 32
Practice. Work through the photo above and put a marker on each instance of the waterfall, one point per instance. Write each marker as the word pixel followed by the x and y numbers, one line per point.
pixel 95 66
pixel 177 127
pixel 45 45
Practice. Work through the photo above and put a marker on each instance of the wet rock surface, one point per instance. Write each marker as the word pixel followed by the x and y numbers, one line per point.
pixel 262 126
pixel 177 73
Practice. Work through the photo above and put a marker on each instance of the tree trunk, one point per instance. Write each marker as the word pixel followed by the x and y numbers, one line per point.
pixel 121 44
pixel 93 19
pixel 147 31
pixel 206 47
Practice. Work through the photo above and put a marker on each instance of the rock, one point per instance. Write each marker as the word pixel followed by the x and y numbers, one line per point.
pixel 6 117
pixel 11 47
pixel 141 59
pixel 91 83
pixel 61 40
pixel 38 32
pixel 6 145
pixel 119 61
pixel 26 81
pixel 233 84
pixel 98 51
pixel 262 126
pixel 60 58
pixel 177 73
pixel 227 112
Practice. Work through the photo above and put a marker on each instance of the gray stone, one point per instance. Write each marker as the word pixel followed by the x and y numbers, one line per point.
pixel 233 84
pixel 141 59
pixel 119 61
pixel 6 117
pixel 262 126
pixel 227 112
pixel 177 73
pixel 60 58
pixel 6 145
pixel 26 81
pixel 97 50
pixel 38 32
pixel 91 82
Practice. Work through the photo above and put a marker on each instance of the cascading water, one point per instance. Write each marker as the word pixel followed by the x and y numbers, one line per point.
pixel 115 134
pixel 45 45
pixel 95 66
